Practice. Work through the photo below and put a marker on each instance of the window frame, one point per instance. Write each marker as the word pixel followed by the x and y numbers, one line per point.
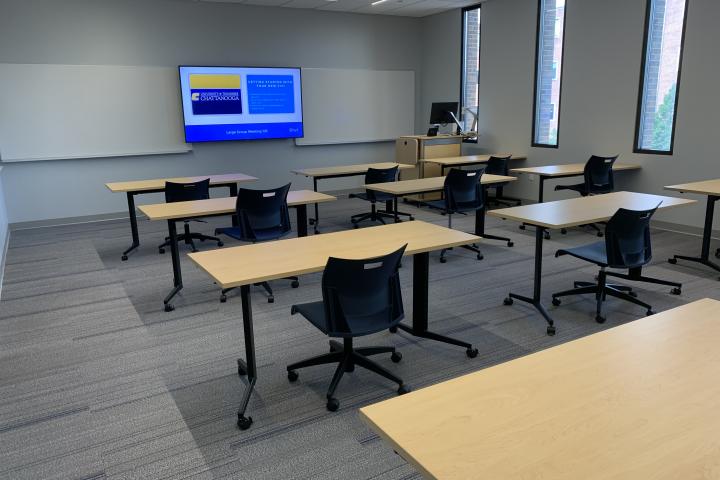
pixel 641 88
pixel 477 6
pixel 533 143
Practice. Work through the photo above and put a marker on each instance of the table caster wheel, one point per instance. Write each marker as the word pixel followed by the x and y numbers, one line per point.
pixel 355 225
pixel 124 258
pixel 396 357
pixel 412 218
pixel 600 234
pixel 551 330
pixel 521 227
pixel 471 352
pixel 220 244
pixel 393 329
pixel 599 319
pixel 649 312
pixel 508 301
pixel 295 284
pixel 676 291
pixel 672 261
pixel 271 299
pixel 223 298
pixel 244 422
pixel 161 251
pixel 510 244
pixel 563 231
pixel 169 308
pixel 479 256
pixel 547 235
pixel 332 404
pixel 556 302
pixel 403 389
pixel 292 375
pixel 443 260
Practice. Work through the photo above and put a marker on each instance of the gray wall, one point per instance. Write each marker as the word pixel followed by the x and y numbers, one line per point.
pixel 169 33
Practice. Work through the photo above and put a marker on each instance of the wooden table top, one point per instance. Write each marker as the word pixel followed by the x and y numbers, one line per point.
pixel 468 159
pixel 248 264
pixel 567 170
pixel 704 187
pixel 639 401
pixel 582 210
pixel 159 183
pixel 357 169
pixel 430 184
pixel 222 205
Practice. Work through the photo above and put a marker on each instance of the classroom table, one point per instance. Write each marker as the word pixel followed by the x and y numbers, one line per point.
pixel 245 265
pixel 637 401
pixel 434 184
pixel 710 188
pixel 340 171
pixel 563 171
pixel 572 213
pixel 213 207
pixel 139 187
pixel 466 160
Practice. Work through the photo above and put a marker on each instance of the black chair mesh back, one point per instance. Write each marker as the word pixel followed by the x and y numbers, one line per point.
pixel 259 210
pixel 598 174
pixel 185 192
pixel 627 238
pixel 497 165
pixel 362 296
pixel 463 190
pixel 380 175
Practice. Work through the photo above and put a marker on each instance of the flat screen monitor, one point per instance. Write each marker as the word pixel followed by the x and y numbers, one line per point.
pixel 440 112
pixel 240 103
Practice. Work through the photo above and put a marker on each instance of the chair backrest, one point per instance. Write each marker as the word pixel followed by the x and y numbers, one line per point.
pixel 362 296
pixel 497 165
pixel 185 192
pixel 380 175
pixel 598 174
pixel 463 191
pixel 627 238
pixel 263 211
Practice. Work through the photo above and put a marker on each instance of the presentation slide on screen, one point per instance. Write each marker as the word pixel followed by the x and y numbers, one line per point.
pixel 238 103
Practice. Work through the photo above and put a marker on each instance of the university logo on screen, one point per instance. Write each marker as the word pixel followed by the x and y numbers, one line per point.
pixel 215 94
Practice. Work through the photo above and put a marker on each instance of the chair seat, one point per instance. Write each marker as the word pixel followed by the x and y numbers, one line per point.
pixel 315 313
pixel 260 235
pixel 592 252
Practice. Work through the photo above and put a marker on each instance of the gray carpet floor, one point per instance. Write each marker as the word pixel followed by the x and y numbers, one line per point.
pixel 97 381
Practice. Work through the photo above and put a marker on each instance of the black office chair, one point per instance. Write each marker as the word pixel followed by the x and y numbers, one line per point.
pixel 626 246
pixel 377 175
pixel 360 297
pixel 262 215
pixel 499 166
pixel 462 193
pixel 598 179
pixel 185 192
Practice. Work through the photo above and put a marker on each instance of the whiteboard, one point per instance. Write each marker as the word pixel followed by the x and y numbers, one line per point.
pixel 356 106
pixel 50 112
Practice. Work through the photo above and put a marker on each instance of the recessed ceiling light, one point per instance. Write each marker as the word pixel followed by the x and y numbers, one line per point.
pixel 378 2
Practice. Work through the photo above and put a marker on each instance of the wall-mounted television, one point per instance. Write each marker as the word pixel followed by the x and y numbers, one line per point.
pixel 240 103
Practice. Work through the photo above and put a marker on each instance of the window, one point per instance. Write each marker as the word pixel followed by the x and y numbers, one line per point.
pixel 660 77
pixel 548 72
pixel 470 75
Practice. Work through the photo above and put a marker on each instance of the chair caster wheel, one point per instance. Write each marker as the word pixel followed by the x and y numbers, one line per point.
pixel 271 299
pixel 292 375
pixel 551 330
pixel 556 302
pixel 393 329
pixel 396 357
pixel 443 260
pixel 563 231
pixel 599 319
pixel 479 257
pixel 471 352
pixel 220 244
pixel 403 389
pixel 676 291
pixel 649 312
pixel 169 308
pixel 332 404
pixel 521 227
pixel 244 422
pixel 124 258
pixel 600 234
pixel 673 261
pixel 161 251
pixel 510 244
pixel 295 284
pixel 412 218
pixel 632 294
pixel 223 298
pixel 508 301
pixel 547 235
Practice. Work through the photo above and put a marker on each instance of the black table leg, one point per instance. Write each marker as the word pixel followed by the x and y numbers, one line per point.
pixel 177 273
pixel 704 257
pixel 316 221
pixel 302 220
pixel 535 300
pixel 233 193
pixel 133 226
pixel 421 286
pixel 480 223
pixel 247 367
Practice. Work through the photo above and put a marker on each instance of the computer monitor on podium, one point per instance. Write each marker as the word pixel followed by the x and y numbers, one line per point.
pixel 443 113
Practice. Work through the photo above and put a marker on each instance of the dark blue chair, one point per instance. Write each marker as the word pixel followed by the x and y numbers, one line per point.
pixel 359 297
pixel 462 193
pixel 377 175
pixel 263 215
pixel 499 166
pixel 626 246
pixel 185 192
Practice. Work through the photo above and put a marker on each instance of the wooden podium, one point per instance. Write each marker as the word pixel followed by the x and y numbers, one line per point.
pixel 411 148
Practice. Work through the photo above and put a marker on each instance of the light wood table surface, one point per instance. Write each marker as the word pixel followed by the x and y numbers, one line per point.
pixel 570 213
pixel 430 184
pixel 245 265
pixel 639 401
pixel 711 189
pixel 133 188
pixel 465 160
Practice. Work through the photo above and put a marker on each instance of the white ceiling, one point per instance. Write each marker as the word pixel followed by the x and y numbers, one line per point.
pixel 407 8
